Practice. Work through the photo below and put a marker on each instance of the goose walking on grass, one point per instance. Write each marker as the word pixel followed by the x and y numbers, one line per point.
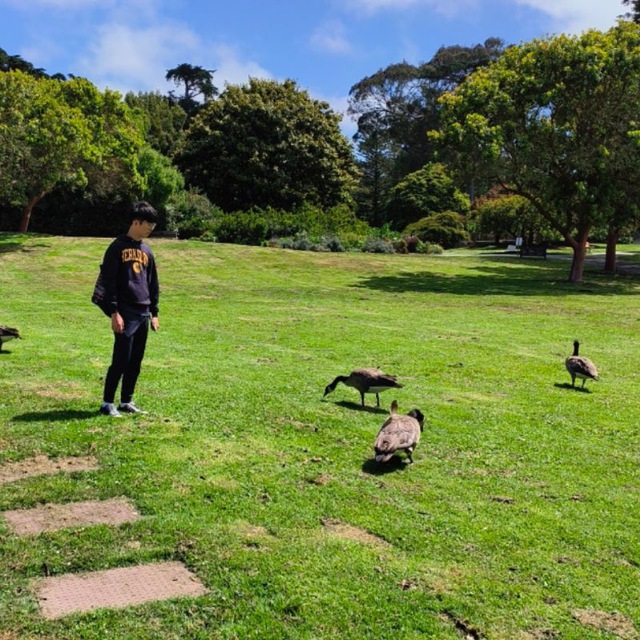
pixel 7 333
pixel 580 367
pixel 399 433
pixel 366 381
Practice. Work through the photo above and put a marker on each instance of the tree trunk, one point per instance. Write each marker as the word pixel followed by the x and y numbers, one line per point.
pixel 610 257
pixel 26 213
pixel 579 246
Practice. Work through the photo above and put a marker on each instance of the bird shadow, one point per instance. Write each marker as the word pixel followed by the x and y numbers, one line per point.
pixel 358 407
pixel 373 468
pixel 52 416
pixel 566 385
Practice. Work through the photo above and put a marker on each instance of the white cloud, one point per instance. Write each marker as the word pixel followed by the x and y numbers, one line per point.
pixel 330 37
pixel 575 16
pixel 567 16
pixel 128 59
pixel 447 8
pixel 125 58
pixel 230 68
pixel 57 4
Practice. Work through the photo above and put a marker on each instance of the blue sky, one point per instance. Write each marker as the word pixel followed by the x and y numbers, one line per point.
pixel 326 46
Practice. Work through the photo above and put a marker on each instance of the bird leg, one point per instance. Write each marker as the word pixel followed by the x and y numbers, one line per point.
pixel 362 397
pixel 377 399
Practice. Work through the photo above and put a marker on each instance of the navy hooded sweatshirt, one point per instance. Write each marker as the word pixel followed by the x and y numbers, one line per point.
pixel 130 276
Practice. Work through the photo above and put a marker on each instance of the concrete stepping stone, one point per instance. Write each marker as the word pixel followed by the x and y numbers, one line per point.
pixel 53 517
pixel 42 465
pixel 63 595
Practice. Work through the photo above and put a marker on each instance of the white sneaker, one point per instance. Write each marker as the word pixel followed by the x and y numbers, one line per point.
pixel 130 407
pixel 109 409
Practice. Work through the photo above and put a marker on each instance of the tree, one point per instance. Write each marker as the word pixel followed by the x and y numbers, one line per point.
pixel 161 179
pixel 555 120
pixel 501 214
pixel 57 133
pixel 634 14
pixel 446 228
pixel 422 194
pixel 396 106
pixel 161 119
pixel 268 144
pixel 197 82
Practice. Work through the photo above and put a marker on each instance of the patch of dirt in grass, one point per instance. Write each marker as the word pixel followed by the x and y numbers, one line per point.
pixel 615 623
pixel 320 480
pixel 52 517
pixel 348 532
pixel 55 393
pixel 540 634
pixel 255 537
pixel 43 465
pixel 60 596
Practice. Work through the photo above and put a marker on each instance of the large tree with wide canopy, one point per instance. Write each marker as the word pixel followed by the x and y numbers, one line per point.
pixel 557 121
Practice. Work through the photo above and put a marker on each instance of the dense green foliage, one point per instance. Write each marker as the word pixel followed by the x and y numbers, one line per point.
pixel 162 121
pixel 425 192
pixel 161 179
pixel 55 134
pixel 446 229
pixel 518 518
pixel 268 144
pixel 556 121
pixel 502 215
pixel 394 109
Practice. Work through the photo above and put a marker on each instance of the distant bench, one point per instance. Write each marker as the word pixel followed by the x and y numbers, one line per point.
pixel 534 250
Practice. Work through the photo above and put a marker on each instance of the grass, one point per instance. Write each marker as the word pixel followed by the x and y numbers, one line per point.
pixel 518 516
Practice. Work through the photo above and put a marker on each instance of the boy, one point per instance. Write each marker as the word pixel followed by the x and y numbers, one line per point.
pixel 131 289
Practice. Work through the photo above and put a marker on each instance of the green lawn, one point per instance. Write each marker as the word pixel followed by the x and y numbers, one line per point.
pixel 518 519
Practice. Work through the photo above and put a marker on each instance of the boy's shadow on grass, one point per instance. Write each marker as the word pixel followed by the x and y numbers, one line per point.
pixel 373 468
pixel 358 407
pixel 52 416
pixel 566 385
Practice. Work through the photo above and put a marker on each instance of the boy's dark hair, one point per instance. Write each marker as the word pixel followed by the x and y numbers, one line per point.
pixel 142 210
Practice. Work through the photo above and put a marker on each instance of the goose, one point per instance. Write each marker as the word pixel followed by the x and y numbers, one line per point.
pixel 7 333
pixel 580 367
pixel 398 433
pixel 366 381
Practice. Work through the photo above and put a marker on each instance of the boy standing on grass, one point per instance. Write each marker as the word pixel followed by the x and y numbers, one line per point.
pixel 131 290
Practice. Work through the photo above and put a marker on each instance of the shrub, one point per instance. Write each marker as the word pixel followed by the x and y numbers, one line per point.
pixel 446 229
pixel 190 214
pixel 429 248
pixel 399 245
pixel 241 228
pixel 377 245
pixel 332 243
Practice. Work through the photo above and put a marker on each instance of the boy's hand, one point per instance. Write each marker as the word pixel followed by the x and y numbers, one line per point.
pixel 155 324
pixel 117 323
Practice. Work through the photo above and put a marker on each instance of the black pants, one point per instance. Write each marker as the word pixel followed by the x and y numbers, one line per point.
pixel 128 351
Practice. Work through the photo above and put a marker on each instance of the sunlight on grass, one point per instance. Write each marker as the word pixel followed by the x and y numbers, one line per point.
pixel 519 511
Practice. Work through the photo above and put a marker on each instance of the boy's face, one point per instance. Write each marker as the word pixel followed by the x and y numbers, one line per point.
pixel 141 229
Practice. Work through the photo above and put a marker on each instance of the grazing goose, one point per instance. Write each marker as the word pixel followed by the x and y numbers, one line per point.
pixel 6 334
pixel 580 367
pixel 366 381
pixel 398 433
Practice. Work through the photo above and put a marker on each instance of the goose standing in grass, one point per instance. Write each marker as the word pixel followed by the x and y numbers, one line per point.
pixel 366 381
pixel 399 433
pixel 580 367
pixel 7 333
